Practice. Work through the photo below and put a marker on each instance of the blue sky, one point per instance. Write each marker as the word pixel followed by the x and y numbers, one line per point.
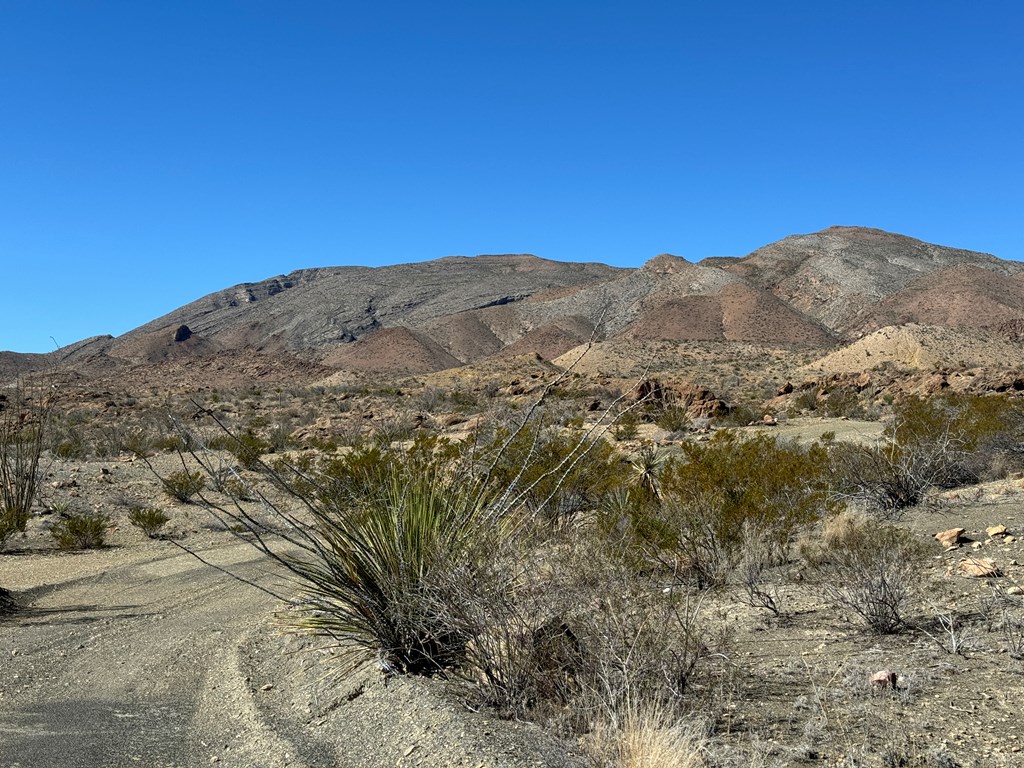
pixel 153 152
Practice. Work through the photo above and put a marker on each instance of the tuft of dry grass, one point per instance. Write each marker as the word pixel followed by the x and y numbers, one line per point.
pixel 647 735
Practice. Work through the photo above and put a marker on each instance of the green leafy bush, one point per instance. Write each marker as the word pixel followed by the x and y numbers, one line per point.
pixel 80 531
pixel 940 442
pixel 183 485
pixel 731 484
pixel 148 519
pixel 558 473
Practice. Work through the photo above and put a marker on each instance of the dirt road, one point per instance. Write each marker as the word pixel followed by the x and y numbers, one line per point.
pixel 143 656
pixel 110 663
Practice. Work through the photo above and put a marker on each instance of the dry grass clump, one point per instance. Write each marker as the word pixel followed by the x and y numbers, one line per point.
pixel 645 735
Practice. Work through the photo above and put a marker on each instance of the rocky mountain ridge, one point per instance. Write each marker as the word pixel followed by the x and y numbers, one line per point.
pixel 817 290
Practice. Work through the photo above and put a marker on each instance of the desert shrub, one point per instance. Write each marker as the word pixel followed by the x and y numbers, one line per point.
pixel 730 485
pixel 941 442
pixel 557 473
pixel 85 530
pixel 836 402
pixel 627 426
pixel 673 418
pixel 755 560
pixel 148 519
pixel 25 415
pixel 739 415
pixel 247 447
pixel 578 636
pixel 392 431
pixel 871 569
pixel 172 442
pixel 183 485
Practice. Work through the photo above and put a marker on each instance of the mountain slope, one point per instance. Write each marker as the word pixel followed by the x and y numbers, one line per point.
pixel 812 290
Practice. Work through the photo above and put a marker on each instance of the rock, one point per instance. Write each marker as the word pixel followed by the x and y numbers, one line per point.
pixel 1009 539
pixel 976 545
pixel 883 679
pixel 1014 590
pixel 785 389
pixel 951 538
pixel 996 530
pixel 182 333
pixel 768 420
pixel 979 567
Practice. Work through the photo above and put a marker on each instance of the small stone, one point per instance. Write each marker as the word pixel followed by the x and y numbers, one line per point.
pixel 950 538
pixel 883 679
pixel 267 687
pixel 976 545
pixel 1014 590
pixel 979 568
pixel 1009 539
pixel 996 530
pixel 768 420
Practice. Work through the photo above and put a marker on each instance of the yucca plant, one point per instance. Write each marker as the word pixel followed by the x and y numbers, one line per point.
pixel 388 574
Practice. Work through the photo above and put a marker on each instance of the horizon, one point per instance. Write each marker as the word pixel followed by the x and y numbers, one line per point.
pixel 155 154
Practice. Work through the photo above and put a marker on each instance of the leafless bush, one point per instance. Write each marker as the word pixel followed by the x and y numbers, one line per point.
pixel 872 571
pixel 757 558
pixel 25 413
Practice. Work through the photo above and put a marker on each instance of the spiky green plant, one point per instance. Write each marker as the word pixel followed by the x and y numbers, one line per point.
pixel 388 576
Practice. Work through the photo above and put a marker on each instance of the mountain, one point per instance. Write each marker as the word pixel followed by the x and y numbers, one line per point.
pixel 815 290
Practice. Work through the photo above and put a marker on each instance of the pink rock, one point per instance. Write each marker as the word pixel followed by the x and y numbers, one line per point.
pixel 883 679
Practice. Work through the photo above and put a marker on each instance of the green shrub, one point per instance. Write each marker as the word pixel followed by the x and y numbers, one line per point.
pixel 392 572
pixel 148 519
pixel 673 418
pixel 627 426
pixel 80 531
pixel 557 473
pixel 183 485
pixel 247 447
pixel 729 485
pixel 941 442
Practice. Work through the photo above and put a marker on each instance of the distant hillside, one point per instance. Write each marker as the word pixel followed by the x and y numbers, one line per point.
pixel 816 290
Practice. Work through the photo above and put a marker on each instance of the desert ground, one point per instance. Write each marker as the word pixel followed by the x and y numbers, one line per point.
pixel 171 650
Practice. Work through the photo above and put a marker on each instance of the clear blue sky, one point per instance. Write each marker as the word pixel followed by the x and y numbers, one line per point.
pixel 154 151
